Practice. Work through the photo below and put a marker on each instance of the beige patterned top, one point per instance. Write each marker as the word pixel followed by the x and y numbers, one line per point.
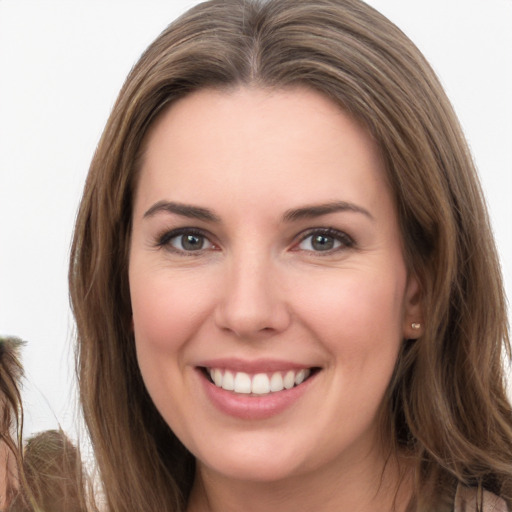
pixel 467 498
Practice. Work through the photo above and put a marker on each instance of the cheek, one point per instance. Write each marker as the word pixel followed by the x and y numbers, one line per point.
pixel 167 309
pixel 357 315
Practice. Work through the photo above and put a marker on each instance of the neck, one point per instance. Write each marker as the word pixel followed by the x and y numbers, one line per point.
pixel 364 487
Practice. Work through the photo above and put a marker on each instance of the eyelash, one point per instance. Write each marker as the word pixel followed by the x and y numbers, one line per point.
pixel 164 240
pixel 344 240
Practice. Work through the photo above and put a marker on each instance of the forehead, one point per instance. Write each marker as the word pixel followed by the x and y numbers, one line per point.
pixel 259 142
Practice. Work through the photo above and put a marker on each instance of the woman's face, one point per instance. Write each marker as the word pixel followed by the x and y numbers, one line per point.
pixel 269 291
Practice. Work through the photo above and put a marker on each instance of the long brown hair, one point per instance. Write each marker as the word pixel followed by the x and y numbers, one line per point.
pixel 46 474
pixel 11 419
pixel 446 407
pixel 54 479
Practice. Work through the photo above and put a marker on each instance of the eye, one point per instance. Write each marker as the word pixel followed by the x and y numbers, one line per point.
pixel 185 240
pixel 324 240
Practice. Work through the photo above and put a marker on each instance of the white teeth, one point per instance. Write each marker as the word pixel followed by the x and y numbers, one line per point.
pixel 242 383
pixel 228 382
pixel 217 377
pixel 259 384
pixel 289 380
pixel 301 376
pixel 276 382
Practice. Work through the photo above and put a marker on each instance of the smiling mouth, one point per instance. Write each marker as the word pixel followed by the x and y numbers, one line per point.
pixel 260 383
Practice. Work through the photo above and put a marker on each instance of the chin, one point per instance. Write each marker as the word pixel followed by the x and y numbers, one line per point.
pixel 254 461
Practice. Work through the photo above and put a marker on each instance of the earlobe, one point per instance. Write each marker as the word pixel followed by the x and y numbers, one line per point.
pixel 413 309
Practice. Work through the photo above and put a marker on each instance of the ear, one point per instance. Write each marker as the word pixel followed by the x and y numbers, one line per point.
pixel 413 326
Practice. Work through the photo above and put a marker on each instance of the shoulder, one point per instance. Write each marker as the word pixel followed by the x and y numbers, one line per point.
pixel 467 498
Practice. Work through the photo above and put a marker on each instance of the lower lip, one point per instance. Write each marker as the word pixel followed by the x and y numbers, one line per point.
pixel 253 407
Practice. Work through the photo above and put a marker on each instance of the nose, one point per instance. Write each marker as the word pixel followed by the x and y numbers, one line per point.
pixel 252 303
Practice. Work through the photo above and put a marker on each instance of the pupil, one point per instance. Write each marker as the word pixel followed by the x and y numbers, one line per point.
pixel 323 243
pixel 192 242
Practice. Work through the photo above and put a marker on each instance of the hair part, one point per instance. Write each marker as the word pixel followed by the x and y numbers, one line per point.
pixel 446 407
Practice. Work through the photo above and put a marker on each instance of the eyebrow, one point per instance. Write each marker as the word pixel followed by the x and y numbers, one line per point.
pixel 185 210
pixel 306 212
pixel 313 211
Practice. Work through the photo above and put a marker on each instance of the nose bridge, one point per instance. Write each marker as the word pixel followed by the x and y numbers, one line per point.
pixel 252 301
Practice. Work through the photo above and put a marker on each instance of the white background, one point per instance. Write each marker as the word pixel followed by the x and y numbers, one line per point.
pixel 62 64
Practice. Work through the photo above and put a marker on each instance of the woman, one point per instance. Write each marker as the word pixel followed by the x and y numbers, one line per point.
pixel 286 290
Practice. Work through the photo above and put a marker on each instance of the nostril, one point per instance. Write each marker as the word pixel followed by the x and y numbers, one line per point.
pixel 250 305
pixel 253 325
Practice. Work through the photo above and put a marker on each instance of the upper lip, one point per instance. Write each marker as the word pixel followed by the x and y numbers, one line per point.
pixel 254 366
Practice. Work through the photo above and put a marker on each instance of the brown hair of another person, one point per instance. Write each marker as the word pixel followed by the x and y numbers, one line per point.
pixel 54 475
pixel 11 419
pixel 46 474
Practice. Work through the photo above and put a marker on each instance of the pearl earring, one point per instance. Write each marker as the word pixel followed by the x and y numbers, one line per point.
pixel 415 326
